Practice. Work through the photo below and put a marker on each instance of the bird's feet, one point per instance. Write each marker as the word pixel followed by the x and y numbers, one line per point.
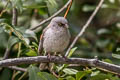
pixel 65 57
pixel 49 56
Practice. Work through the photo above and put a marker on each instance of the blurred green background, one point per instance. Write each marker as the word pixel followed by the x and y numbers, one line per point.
pixel 101 38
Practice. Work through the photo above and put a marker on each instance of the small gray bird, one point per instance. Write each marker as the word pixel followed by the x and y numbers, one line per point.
pixel 55 37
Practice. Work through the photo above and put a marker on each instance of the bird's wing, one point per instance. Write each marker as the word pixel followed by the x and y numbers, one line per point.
pixel 40 48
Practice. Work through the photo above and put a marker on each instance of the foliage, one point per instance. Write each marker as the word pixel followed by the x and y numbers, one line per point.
pixel 101 39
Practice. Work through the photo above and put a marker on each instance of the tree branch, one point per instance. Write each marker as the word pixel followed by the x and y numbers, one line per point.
pixel 69 6
pixel 85 26
pixel 17 68
pixel 6 54
pixel 4 10
pixel 55 14
pixel 54 59
pixel 14 17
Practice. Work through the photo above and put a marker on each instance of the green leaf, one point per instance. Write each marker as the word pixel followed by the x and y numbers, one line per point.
pixel 81 74
pixel 47 76
pixel 35 6
pixel 62 67
pixel 29 33
pixel 61 79
pixel 52 6
pixel 71 52
pixel 41 76
pixel 118 49
pixel 70 71
pixel 31 53
pixel 87 8
pixel 102 43
pixel 70 78
pixel 12 40
pixel 6 27
pixel 84 42
pixel 117 56
pixel 35 74
pixel 1 29
pixel 4 73
pixel 103 31
pixel 42 12
pixel 107 60
pixel 35 44
pixel 95 73
pixel 27 41
pixel 101 76
pixel 18 4
pixel 3 40
pixel 112 1
pixel 2 20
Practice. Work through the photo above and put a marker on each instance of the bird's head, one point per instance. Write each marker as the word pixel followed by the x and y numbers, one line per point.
pixel 60 21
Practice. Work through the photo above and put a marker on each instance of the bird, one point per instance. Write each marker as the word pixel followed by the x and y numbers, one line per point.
pixel 55 37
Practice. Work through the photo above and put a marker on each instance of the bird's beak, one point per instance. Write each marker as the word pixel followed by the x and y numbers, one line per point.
pixel 66 25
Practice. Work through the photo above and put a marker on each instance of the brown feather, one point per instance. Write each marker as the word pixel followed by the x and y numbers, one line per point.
pixel 40 48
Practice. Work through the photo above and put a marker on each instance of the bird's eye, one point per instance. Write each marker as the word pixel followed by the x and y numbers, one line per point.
pixel 60 24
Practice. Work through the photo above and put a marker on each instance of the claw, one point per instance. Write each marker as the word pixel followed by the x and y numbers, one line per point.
pixel 49 56
pixel 65 57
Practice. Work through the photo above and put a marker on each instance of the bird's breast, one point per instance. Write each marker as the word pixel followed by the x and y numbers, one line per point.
pixel 56 40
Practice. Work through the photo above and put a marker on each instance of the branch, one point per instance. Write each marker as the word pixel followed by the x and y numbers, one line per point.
pixel 85 26
pixel 6 54
pixel 17 68
pixel 60 60
pixel 14 17
pixel 55 14
pixel 68 9
pixel 4 10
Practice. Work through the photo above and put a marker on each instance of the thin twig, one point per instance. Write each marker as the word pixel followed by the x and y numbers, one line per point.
pixel 4 10
pixel 55 14
pixel 60 60
pixel 6 54
pixel 23 75
pixel 68 9
pixel 84 27
pixel 14 17
pixel 17 68
pixel 15 74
